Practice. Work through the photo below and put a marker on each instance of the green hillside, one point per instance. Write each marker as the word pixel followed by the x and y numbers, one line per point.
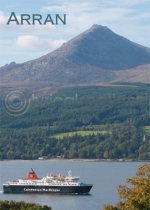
pixel 92 117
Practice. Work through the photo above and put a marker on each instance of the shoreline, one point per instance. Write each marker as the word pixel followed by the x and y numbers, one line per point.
pixel 76 160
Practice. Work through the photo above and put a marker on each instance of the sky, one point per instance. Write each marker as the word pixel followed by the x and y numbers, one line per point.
pixel 20 43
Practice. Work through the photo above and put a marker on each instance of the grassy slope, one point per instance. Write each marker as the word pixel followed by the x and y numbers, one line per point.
pixel 146 130
pixel 82 133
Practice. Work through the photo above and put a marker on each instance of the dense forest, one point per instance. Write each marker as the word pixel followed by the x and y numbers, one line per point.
pixel 118 112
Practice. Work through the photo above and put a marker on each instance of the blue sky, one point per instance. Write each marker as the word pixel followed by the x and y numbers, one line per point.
pixel 20 43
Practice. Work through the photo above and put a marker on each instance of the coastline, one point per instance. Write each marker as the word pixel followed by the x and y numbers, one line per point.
pixel 76 160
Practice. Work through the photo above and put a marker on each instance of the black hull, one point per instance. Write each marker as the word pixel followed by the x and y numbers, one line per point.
pixel 85 189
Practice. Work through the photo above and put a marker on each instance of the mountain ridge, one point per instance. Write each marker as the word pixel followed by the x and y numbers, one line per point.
pixel 93 56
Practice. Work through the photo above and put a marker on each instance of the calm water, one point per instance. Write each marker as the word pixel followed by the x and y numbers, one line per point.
pixel 104 175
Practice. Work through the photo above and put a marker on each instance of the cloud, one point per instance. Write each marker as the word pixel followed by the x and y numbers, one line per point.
pixel 34 42
pixel 56 43
pixel 53 8
pixel 27 41
pixel 82 15
pixel 126 18
pixel 25 28
pixel 2 18
pixel 96 10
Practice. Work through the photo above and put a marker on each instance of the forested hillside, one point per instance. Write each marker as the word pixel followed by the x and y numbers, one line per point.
pixel 118 113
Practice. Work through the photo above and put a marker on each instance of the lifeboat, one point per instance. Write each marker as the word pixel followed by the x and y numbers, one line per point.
pixel 52 175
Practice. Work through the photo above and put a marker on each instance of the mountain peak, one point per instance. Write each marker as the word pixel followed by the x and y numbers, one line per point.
pixel 92 56
pixel 96 26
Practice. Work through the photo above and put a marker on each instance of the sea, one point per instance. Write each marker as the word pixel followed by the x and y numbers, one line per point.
pixel 105 176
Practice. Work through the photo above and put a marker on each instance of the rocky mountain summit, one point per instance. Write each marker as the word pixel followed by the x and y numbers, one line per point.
pixel 96 55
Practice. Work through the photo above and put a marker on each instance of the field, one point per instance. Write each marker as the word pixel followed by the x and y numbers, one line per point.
pixel 146 129
pixel 82 133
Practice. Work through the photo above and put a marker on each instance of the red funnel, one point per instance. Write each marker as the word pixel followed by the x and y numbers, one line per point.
pixel 32 175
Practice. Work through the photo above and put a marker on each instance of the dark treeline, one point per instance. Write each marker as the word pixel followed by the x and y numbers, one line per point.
pixel 122 141
pixel 121 109
pixel 81 106
pixel 21 205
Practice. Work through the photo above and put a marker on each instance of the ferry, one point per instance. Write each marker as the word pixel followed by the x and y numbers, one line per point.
pixel 52 183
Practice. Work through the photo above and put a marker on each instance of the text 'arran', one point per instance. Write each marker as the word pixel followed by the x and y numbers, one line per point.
pixel 37 19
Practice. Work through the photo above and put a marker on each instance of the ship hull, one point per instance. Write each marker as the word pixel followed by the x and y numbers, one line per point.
pixel 84 189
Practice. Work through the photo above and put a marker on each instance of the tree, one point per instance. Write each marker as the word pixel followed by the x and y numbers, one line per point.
pixel 137 197
pixel 21 205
